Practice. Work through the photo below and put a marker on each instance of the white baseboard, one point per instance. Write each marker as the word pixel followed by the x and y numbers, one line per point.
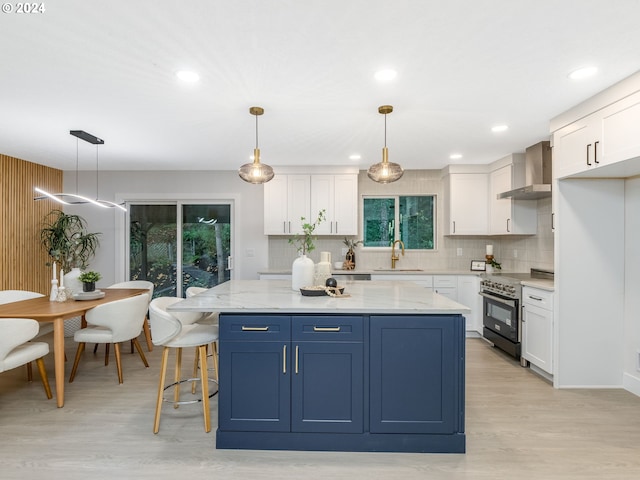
pixel 631 383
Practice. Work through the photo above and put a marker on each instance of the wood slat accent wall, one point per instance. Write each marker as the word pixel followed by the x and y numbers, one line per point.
pixel 22 259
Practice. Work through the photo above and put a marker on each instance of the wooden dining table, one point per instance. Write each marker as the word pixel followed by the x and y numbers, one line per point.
pixel 44 310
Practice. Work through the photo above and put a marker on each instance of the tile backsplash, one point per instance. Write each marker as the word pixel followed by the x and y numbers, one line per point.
pixel 515 253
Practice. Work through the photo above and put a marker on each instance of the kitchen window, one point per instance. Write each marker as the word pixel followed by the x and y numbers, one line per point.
pixel 410 218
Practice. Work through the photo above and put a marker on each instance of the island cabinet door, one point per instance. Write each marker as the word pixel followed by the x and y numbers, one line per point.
pixel 255 361
pixel 417 374
pixel 327 392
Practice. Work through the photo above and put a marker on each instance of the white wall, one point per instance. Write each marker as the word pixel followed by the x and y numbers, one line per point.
pixel 206 185
pixel 631 377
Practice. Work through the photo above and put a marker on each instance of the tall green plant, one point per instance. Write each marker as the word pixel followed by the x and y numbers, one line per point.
pixel 304 242
pixel 66 240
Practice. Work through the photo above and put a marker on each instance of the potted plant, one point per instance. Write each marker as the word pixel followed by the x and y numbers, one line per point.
pixel 302 270
pixel 89 280
pixel 350 260
pixel 67 241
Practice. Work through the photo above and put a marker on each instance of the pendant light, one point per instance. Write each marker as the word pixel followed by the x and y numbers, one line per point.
pixel 385 171
pixel 75 198
pixel 256 172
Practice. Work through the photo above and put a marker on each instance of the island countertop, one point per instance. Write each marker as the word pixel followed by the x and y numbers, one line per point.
pixel 364 297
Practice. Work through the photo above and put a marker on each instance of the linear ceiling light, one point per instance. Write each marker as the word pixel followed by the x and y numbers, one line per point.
pixel 385 171
pixel 256 172
pixel 74 198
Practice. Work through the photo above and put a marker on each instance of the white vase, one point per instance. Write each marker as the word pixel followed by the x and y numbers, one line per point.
pixel 72 282
pixel 302 272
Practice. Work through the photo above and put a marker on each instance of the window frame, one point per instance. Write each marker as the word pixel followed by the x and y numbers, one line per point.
pixel 396 198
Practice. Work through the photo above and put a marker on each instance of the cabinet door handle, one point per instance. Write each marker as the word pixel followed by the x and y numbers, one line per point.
pixel 296 359
pixel 336 227
pixel 326 329
pixel 289 226
pixel 254 329
pixel 539 299
pixel 454 226
pixel 284 359
pixel 284 226
pixel 508 220
pixel 595 152
pixel 553 216
pixel 588 148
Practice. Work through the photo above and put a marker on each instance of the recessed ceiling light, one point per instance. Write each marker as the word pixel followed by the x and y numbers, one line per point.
pixel 355 156
pixel 455 156
pixel 385 75
pixel 583 72
pixel 500 128
pixel 188 76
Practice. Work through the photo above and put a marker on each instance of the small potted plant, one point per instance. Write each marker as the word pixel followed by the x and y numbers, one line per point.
pixel 89 280
pixel 350 260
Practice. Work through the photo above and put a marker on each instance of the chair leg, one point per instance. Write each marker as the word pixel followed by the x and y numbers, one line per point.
pixel 95 348
pixel 43 377
pixel 76 361
pixel 106 354
pixel 116 349
pixel 140 352
pixel 196 362
pixel 163 374
pixel 204 380
pixel 176 378
pixel 29 372
pixel 214 346
pixel 147 334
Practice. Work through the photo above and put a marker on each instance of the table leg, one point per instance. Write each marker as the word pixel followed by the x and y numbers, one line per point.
pixel 58 357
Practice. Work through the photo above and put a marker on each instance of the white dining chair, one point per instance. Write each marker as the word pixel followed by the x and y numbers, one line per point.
pixel 208 318
pixel 16 349
pixel 145 326
pixel 179 330
pixel 113 322
pixel 10 296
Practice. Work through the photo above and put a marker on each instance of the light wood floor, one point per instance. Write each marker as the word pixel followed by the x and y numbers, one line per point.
pixel 518 427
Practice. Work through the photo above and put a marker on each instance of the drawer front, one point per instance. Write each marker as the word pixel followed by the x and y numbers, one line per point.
pixel 252 328
pixel 537 297
pixel 338 328
pixel 445 281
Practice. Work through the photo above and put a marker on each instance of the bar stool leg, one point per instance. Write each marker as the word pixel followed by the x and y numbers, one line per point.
pixel 163 374
pixel 204 379
pixel 176 391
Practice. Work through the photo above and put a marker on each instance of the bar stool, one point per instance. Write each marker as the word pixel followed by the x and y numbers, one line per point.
pixel 170 331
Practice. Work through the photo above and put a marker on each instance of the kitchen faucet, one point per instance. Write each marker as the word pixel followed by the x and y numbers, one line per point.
pixel 394 257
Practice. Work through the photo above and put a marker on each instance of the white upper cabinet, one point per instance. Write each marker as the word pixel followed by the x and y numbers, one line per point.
pixel 338 195
pixel 289 197
pixel 605 143
pixel 466 210
pixel 286 199
pixel 509 216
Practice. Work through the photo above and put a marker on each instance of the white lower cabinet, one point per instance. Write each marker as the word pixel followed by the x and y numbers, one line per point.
pixel 468 288
pixel 537 327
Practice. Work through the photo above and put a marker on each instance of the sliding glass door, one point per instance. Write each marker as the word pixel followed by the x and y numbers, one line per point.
pixel 178 245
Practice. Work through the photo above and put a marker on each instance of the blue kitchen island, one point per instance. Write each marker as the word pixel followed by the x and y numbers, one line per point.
pixel 381 369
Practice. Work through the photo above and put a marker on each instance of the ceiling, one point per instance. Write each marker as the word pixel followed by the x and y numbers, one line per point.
pixel 462 66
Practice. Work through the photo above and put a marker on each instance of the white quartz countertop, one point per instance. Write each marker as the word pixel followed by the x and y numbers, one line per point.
pixel 382 271
pixel 540 283
pixel 276 296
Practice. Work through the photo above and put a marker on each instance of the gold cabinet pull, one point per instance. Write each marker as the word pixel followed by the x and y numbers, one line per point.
pixel 326 329
pixel 284 359
pixel 254 329
pixel 296 359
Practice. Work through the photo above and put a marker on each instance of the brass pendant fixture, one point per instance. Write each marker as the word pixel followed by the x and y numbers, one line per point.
pixel 385 171
pixel 256 172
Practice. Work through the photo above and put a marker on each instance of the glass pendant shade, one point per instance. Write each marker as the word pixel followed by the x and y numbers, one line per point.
pixel 256 172
pixel 385 171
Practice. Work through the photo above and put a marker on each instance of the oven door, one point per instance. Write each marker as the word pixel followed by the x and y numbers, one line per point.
pixel 500 315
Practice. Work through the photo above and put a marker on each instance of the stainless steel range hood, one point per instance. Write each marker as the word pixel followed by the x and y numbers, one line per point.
pixel 537 174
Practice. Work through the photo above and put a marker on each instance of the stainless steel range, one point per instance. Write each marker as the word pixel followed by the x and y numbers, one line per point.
pixel 502 308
